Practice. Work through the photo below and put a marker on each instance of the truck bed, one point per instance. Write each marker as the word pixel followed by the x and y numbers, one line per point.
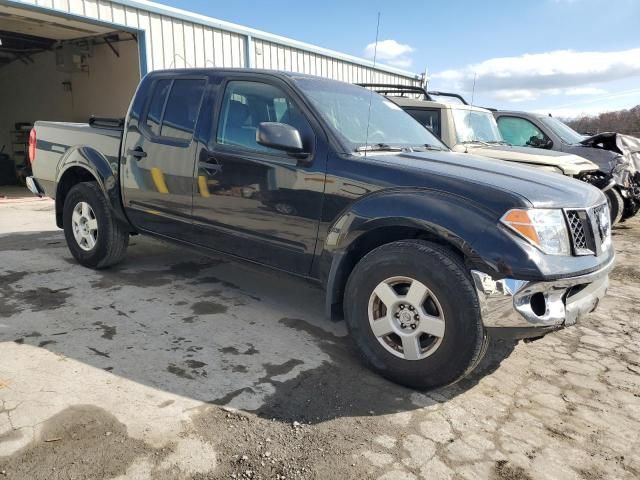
pixel 56 139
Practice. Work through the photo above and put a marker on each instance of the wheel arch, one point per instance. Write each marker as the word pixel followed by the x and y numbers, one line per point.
pixel 345 261
pixel 85 164
pixel 434 218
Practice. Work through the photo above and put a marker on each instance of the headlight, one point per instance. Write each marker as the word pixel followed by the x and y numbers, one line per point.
pixel 544 228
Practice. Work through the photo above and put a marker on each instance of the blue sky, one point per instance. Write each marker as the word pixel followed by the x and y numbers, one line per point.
pixel 561 56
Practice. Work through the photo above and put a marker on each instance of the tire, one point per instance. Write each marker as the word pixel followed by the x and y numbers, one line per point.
pixel 616 205
pixel 450 298
pixel 104 241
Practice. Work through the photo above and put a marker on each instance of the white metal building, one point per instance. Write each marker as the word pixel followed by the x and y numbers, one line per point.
pixel 68 59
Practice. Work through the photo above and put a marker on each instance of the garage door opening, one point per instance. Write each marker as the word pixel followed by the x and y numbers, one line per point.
pixel 58 68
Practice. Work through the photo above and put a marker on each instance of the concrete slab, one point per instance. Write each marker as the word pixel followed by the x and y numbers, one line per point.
pixel 191 367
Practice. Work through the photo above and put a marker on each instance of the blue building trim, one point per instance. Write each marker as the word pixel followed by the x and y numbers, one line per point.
pixel 140 34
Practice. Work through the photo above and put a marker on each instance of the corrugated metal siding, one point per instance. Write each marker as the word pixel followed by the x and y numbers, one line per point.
pixel 274 56
pixel 175 43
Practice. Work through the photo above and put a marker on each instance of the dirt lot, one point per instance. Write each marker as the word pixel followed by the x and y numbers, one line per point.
pixel 177 366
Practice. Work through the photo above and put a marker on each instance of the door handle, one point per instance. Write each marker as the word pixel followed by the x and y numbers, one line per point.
pixel 137 153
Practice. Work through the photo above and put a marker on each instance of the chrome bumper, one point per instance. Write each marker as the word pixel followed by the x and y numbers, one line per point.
pixel 510 303
pixel 32 185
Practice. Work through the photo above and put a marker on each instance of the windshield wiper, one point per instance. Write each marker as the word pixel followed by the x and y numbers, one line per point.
pixel 428 146
pixel 378 147
pixel 499 142
pixel 476 141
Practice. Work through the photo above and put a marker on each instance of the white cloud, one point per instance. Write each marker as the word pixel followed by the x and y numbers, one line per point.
pixel 573 112
pixel 515 95
pixel 592 106
pixel 576 91
pixel 522 94
pixel 391 52
pixel 530 76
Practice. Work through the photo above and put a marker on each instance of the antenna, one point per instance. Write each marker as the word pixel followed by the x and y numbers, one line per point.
pixel 473 91
pixel 375 55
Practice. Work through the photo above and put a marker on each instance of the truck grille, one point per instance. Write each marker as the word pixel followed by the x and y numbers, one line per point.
pixel 576 227
pixel 590 229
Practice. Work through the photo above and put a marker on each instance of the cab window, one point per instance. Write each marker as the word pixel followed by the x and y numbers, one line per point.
pixel 182 109
pixel 174 107
pixel 521 132
pixel 427 118
pixel 156 107
pixel 247 104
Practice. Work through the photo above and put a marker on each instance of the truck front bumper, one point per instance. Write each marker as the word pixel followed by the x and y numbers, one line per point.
pixel 536 307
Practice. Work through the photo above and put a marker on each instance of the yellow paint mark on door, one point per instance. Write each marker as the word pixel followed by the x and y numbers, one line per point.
pixel 158 180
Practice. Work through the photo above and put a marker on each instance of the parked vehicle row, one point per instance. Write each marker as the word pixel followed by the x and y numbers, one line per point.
pixel 470 129
pixel 425 251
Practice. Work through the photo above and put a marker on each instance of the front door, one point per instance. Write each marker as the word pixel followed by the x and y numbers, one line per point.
pixel 159 157
pixel 520 132
pixel 253 201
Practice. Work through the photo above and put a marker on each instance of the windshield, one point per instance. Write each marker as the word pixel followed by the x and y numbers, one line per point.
pixel 475 126
pixel 564 131
pixel 345 108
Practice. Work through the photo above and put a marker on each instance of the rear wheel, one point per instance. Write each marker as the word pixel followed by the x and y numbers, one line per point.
pixel 414 315
pixel 94 237
pixel 616 205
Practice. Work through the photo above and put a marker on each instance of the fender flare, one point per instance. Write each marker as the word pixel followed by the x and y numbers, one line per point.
pixel 102 168
pixel 468 227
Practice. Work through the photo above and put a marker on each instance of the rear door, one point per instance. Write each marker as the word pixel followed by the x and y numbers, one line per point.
pixel 159 155
pixel 252 201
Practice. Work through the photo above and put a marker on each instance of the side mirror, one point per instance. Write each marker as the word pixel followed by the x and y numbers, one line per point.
pixel 538 142
pixel 280 136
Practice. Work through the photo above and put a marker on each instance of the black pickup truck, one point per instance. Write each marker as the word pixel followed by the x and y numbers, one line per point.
pixel 425 252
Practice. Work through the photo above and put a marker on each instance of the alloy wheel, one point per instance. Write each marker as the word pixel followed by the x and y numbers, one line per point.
pixel 85 226
pixel 406 318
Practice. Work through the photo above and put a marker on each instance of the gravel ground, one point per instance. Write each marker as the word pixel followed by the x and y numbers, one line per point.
pixel 175 366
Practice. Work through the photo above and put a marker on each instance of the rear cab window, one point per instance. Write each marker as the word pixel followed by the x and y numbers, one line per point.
pixel 174 107
pixel 427 118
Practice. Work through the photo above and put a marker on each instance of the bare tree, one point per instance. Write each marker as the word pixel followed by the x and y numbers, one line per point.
pixel 621 121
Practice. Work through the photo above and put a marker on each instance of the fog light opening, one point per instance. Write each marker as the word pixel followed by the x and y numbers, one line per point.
pixel 538 304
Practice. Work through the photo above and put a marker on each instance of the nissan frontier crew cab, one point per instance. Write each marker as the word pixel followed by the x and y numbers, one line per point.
pixel 425 252
pixel 469 129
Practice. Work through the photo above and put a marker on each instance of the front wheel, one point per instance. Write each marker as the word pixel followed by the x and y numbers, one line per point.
pixel 94 237
pixel 414 315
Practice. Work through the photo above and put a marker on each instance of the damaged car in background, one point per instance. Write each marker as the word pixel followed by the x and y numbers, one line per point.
pixel 614 153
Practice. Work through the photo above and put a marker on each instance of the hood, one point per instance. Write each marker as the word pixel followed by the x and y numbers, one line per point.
pixel 569 164
pixel 606 160
pixel 465 175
